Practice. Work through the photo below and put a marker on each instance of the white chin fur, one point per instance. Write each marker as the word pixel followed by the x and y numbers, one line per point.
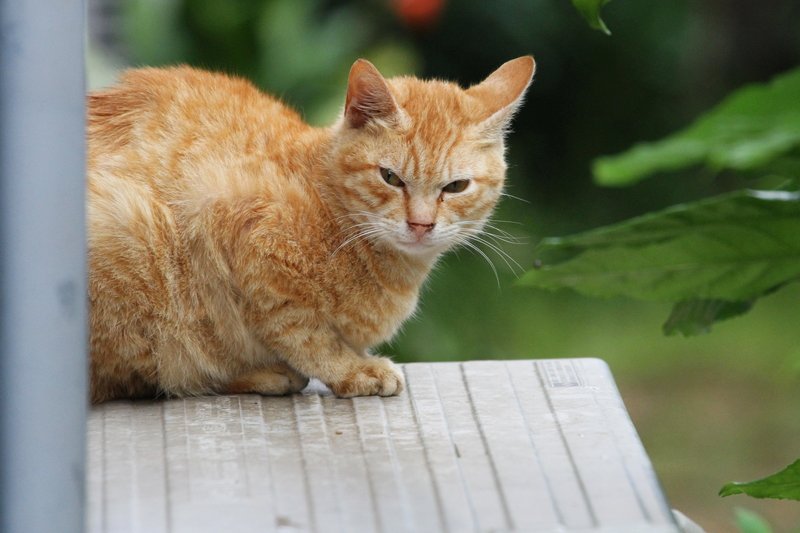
pixel 420 248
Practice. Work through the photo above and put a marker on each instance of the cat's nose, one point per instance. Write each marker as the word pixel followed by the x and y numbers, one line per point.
pixel 419 229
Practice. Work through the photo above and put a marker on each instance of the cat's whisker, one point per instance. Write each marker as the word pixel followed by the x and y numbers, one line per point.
pixel 477 235
pixel 367 214
pixel 357 226
pixel 356 229
pixel 354 235
pixel 490 229
pixel 470 226
pixel 465 222
pixel 509 261
pixel 348 242
pixel 356 214
pixel 472 247
pixel 508 239
pixel 492 223
pixel 501 231
pixel 498 240
pixel 515 222
pixel 378 222
pixel 345 244
pixel 507 195
pixel 364 234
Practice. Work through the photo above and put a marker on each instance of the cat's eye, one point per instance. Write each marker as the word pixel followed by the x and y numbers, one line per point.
pixel 456 186
pixel 391 178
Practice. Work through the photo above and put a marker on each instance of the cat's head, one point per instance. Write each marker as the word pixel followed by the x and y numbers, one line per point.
pixel 419 165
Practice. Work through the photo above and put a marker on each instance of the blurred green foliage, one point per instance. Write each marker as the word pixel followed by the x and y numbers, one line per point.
pixel 750 522
pixel 300 50
pixel 593 95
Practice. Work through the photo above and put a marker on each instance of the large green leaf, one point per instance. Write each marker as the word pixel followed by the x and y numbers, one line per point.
pixel 734 247
pixel 783 485
pixel 751 128
pixel 745 208
pixel 590 9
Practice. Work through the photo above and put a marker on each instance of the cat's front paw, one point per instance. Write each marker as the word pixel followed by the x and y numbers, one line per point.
pixel 373 376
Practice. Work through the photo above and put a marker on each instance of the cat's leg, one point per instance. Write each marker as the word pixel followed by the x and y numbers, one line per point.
pixel 275 379
pixel 321 353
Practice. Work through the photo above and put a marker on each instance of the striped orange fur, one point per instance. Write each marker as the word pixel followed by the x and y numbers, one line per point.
pixel 233 248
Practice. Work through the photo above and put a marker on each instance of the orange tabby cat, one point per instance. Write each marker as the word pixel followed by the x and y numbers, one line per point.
pixel 233 248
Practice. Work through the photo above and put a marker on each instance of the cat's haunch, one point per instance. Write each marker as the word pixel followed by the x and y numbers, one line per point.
pixel 234 248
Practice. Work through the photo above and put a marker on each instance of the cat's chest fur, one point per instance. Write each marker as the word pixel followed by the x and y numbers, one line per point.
pixel 294 261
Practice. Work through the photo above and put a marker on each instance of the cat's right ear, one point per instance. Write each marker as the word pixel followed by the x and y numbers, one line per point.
pixel 368 96
pixel 501 94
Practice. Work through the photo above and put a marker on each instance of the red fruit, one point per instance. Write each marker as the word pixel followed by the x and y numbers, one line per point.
pixel 418 14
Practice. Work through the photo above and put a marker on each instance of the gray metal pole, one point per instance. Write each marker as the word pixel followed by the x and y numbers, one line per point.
pixel 43 398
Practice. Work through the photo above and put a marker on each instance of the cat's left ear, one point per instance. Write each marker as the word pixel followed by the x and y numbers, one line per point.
pixel 501 94
pixel 369 98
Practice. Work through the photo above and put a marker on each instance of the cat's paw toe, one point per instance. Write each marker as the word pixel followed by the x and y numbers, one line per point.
pixel 273 380
pixel 375 376
pixel 295 382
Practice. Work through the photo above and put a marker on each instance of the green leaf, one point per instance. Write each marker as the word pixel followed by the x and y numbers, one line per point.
pixel 751 128
pixel 749 522
pixel 783 485
pixel 733 247
pixel 590 9
pixel 694 317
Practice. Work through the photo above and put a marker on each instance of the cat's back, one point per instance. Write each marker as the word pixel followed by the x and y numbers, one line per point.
pixel 162 145
pixel 168 116
pixel 164 142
